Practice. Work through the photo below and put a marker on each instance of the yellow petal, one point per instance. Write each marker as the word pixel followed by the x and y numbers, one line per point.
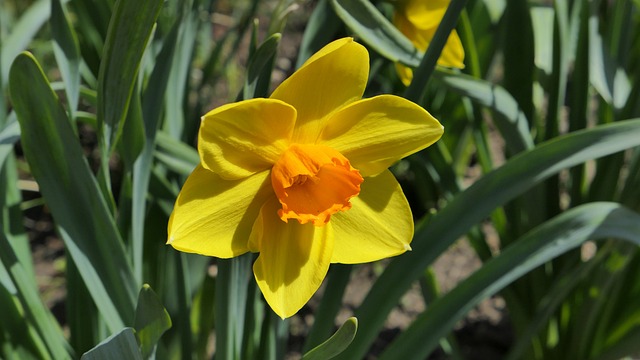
pixel 419 38
pixel 425 14
pixel 405 73
pixel 453 53
pixel 213 216
pixel 240 139
pixel 376 132
pixel 378 225
pixel 294 259
pixel 333 77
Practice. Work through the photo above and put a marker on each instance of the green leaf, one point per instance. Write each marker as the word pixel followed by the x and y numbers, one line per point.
pixel 37 314
pixel 11 217
pixel 58 165
pixel 541 17
pixel 150 118
pixel 203 316
pixel 607 77
pixel 133 139
pixel 260 67
pixel 9 135
pixel 176 155
pixel 22 34
pixel 557 236
pixel 519 52
pixel 336 343
pixel 230 305
pixel 119 346
pixel 546 308
pixel 511 121
pixel 520 173
pixel 323 323
pixel 86 327
pixel 373 28
pixel 27 325
pixel 129 31
pixel 624 348
pixel 186 32
pixel 322 27
pixel 67 53
pixel 151 321
pixel 16 334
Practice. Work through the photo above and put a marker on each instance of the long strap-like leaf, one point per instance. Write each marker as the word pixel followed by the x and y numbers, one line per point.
pixel 71 192
pixel 469 207
pixel 546 242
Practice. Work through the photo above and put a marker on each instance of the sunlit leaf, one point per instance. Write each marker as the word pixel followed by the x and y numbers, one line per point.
pixel 151 321
pixel 23 32
pixel 129 30
pixel 557 236
pixel 65 48
pixel 336 343
pixel 119 346
pixel 58 165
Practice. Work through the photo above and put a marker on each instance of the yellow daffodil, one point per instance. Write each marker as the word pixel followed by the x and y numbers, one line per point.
pixel 301 177
pixel 418 20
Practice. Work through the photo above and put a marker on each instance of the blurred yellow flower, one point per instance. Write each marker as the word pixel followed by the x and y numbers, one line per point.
pixel 301 177
pixel 418 20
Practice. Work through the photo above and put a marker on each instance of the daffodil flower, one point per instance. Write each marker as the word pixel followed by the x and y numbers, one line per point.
pixel 301 177
pixel 418 20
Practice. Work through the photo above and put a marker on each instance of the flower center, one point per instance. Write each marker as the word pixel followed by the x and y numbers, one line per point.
pixel 312 182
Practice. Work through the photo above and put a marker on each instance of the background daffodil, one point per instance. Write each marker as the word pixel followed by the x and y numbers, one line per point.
pixel 418 20
pixel 301 177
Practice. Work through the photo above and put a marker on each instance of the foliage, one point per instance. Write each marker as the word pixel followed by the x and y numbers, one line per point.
pixel 545 114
